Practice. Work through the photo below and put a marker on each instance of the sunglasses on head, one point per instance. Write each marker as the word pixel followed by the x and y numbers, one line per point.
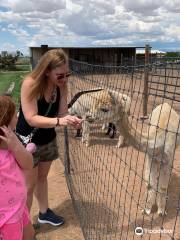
pixel 61 76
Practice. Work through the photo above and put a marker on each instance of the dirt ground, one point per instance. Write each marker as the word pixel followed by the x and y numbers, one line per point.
pixel 60 202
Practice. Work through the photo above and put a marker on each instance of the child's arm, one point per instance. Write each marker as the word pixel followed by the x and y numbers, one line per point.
pixel 23 157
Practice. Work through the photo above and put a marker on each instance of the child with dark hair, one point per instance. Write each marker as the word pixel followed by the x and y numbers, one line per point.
pixel 14 216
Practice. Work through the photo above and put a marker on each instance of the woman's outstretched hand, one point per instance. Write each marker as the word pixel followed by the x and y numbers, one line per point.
pixel 71 120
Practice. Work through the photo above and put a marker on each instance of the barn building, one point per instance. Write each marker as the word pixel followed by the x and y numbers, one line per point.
pixel 93 55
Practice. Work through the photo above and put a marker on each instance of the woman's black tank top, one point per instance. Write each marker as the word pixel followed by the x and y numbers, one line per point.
pixel 42 135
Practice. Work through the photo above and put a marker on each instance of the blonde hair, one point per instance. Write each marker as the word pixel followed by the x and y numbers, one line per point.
pixel 49 61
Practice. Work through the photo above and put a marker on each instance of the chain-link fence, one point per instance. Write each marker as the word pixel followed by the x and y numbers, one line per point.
pixel 124 192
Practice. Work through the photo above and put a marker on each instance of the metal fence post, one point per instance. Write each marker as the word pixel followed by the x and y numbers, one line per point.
pixel 146 76
pixel 66 151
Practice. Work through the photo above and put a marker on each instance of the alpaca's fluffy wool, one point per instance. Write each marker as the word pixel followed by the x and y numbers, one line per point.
pixel 99 107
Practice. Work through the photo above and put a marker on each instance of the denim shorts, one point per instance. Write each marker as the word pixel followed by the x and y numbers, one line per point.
pixel 46 153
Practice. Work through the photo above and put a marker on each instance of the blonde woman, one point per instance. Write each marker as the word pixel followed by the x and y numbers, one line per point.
pixel 49 78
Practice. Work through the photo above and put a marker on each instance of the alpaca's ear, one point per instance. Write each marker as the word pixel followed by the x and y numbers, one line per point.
pixel 112 97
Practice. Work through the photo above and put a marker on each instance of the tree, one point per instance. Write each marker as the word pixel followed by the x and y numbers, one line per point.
pixel 172 54
pixel 8 60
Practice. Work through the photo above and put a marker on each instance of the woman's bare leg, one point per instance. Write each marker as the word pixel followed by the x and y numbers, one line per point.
pixel 41 189
pixel 31 179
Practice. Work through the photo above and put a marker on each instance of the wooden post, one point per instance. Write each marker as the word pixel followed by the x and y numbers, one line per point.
pixel 135 59
pixel 121 59
pixel 115 62
pixel 115 59
pixel 165 80
pixel 146 75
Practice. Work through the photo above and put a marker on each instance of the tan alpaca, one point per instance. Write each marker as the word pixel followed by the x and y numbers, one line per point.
pixel 159 144
pixel 105 103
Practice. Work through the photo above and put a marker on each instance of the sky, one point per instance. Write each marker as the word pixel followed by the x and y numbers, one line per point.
pixel 89 23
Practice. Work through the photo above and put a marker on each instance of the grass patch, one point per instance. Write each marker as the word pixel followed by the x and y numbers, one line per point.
pixel 23 67
pixel 6 78
pixel 17 67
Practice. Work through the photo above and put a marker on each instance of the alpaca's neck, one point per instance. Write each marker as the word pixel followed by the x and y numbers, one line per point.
pixel 136 138
pixel 153 141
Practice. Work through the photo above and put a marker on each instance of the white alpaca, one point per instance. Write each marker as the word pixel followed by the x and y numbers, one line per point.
pixel 106 101
pixel 159 144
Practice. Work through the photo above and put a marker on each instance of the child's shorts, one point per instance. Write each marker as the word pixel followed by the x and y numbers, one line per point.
pixel 14 231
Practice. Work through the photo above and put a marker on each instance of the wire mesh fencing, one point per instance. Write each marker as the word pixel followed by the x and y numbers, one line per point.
pixel 123 173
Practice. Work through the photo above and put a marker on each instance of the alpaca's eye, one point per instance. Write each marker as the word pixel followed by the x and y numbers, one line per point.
pixel 104 109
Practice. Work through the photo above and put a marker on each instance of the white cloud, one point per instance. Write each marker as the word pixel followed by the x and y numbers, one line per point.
pixel 93 22
pixel 46 6
pixel 7 47
pixel 9 17
pixel 172 6
pixel 144 7
pixel 173 31
pixel 17 31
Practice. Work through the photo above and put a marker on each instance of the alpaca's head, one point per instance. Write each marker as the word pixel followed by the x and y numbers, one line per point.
pixel 103 108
